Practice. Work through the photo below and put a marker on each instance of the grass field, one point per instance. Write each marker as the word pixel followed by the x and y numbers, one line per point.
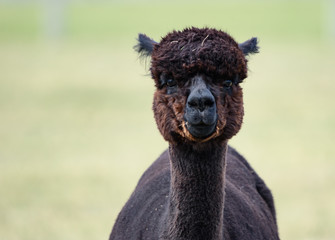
pixel 77 131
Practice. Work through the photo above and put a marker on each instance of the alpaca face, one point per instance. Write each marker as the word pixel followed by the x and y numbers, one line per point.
pixel 197 73
pixel 198 110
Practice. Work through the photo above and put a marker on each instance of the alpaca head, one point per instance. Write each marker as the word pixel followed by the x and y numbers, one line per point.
pixel 197 73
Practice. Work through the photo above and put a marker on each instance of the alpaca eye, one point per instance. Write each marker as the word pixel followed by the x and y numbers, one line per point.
pixel 171 82
pixel 227 83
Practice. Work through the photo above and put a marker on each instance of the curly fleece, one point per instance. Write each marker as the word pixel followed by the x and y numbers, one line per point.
pixel 182 54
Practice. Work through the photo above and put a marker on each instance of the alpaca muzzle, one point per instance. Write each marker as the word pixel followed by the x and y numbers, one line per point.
pixel 200 113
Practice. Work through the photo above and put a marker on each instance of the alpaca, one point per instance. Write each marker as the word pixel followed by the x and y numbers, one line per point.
pixel 200 188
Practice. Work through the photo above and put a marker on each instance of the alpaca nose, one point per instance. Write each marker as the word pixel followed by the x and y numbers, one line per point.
pixel 200 105
pixel 201 99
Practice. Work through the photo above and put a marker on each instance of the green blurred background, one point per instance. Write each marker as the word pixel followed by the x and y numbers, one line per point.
pixel 77 130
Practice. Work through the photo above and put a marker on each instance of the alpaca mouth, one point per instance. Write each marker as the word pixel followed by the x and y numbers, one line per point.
pixel 201 130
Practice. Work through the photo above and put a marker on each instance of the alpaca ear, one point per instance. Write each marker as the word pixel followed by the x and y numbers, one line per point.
pixel 145 45
pixel 249 47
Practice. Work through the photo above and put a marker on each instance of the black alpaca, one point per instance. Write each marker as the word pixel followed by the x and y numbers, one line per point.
pixel 200 188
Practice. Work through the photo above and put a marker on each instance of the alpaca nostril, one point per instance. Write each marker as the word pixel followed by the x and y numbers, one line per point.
pixel 192 103
pixel 208 102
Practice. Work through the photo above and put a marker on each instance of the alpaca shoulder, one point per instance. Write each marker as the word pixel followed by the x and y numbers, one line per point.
pixel 243 179
pixel 141 215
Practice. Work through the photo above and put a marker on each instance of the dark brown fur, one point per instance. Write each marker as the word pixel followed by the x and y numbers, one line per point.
pixel 182 54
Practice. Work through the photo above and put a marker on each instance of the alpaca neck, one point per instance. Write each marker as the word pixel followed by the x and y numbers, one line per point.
pixel 196 198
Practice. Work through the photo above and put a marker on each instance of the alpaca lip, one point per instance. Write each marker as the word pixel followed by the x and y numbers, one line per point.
pixel 200 130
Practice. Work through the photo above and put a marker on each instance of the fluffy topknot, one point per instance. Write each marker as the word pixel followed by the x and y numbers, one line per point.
pixel 182 54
